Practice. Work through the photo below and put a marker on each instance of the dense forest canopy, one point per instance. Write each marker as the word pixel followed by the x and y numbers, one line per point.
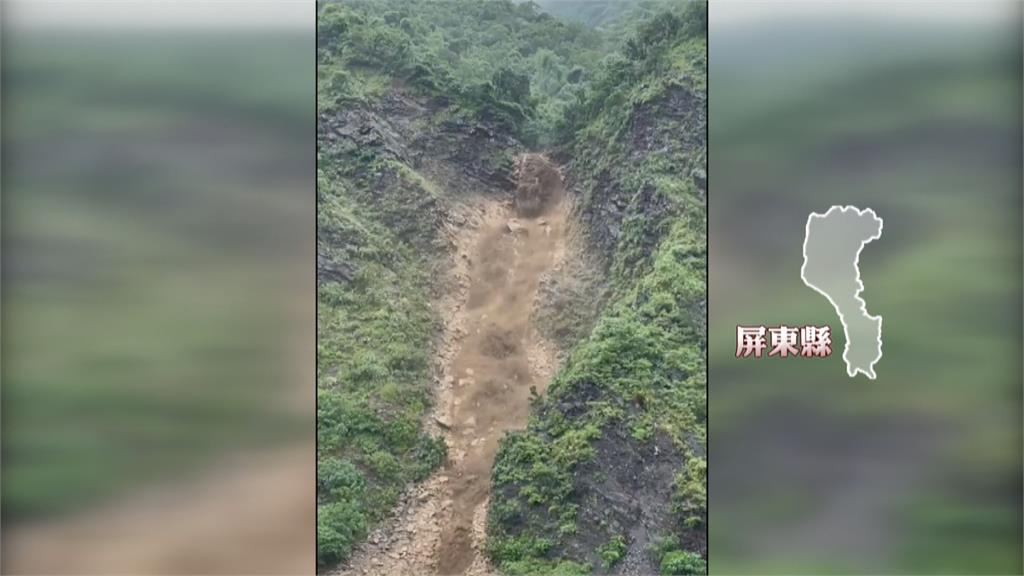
pixel 493 60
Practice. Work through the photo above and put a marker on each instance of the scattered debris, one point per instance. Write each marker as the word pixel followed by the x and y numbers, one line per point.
pixel 515 227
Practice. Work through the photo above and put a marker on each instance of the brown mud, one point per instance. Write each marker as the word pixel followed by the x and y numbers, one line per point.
pixel 491 361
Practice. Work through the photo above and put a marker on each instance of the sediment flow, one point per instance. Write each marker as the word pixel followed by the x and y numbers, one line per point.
pixel 491 362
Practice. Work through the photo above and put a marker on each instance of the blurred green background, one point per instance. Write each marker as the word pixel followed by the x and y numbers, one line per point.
pixel 158 230
pixel 915 113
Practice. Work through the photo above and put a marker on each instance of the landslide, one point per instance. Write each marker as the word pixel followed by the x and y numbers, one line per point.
pixel 420 116
pixel 417 171
pixel 385 231
pixel 610 475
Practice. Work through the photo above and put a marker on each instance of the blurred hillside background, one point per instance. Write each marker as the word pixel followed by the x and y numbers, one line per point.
pixel 158 182
pixel 913 110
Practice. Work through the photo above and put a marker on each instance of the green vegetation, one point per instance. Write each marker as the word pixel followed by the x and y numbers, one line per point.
pixel 501 64
pixel 374 334
pixel 637 140
pixel 608 15
pixel 612 552
pixel 672 561
pixel 680 563
pixel 493 60
pixel 515 72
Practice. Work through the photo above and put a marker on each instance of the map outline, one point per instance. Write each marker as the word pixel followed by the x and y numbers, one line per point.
pixel 862 305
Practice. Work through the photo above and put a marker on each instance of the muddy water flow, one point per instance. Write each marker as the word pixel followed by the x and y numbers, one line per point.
pixel 497 364
pixel 489 358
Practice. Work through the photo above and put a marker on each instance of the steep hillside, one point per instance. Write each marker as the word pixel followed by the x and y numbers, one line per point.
pixel 380 241
pixel 424 108
pixel 421 107
pixel 494 60
pixel 610 475
pixel 610 15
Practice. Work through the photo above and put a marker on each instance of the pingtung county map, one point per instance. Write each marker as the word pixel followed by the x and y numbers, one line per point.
pixel 833 242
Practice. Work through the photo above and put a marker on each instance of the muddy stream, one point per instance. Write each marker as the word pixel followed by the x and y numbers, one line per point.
pixel 490 360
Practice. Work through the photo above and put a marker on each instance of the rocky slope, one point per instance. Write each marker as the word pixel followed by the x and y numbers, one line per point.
pixel 610 475
pixel 421 108
pixel 416 141
pixel 383 237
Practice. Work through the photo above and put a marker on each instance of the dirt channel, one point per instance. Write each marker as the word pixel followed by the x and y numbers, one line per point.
pixel 490 363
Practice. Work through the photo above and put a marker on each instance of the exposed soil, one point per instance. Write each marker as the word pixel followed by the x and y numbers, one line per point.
pixel 491 360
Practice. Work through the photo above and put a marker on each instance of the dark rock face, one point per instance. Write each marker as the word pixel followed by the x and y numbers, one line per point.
pixel 626 490
pixel 674 123
pixel 361 129
pixel 328 270
pixel 539 182
pixel 469 157
pixel 481 154
pixel 700 178
pixel 391 149
pixel 673 127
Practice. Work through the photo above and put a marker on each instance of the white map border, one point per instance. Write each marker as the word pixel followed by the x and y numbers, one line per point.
pixel 870 372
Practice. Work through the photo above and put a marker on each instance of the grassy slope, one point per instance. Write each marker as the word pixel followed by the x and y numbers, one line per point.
pixel 373 350
pixel 642 369
pixel 458 50
pixel 468 62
